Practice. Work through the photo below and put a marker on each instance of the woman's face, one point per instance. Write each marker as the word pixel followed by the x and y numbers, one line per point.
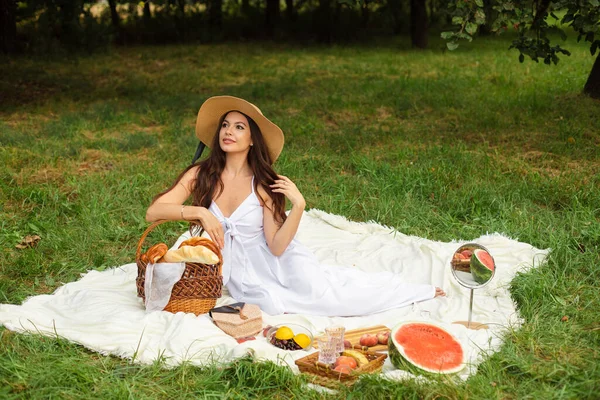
pixel 235 135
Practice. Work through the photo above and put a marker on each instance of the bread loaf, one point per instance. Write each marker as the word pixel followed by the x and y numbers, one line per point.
pixel 155 253
pixel 195 254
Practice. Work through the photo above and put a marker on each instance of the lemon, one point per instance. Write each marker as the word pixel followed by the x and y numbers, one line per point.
pixel 302 340
pixel 284 333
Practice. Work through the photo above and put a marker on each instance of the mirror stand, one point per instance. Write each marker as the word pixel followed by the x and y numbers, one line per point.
pixel 469 324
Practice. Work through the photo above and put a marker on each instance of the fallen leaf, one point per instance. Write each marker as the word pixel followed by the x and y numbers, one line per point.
pixel 28 241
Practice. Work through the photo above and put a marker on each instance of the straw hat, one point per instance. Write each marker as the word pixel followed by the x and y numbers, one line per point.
pixel 215 107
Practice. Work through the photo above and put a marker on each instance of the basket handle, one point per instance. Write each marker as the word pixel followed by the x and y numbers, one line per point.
pixel 138 252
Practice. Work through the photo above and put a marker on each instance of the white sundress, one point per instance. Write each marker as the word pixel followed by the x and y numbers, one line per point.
pixel 286 284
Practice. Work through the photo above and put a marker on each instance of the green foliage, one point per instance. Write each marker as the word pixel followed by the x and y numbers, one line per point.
pixel 531 19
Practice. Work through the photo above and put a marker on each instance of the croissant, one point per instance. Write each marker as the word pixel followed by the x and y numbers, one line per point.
pixel 196 254
pixel 196 241
pixel 155 253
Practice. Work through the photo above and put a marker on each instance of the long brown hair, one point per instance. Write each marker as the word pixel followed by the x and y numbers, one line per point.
pixel 208 183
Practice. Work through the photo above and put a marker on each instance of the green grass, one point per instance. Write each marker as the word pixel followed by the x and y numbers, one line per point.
pixel 437 144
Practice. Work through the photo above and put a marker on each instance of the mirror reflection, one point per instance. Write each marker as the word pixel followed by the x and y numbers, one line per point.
pixel 473 265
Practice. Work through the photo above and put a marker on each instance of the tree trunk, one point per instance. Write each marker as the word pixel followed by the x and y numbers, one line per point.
pixel 490 16
pixel 364 14
pixel 68 15
pixel 116 21
pixel 324 21
pixel 395 7
pixel 8 26
pixel 215 14
pixel 147 13
pixel 245 7
pixel 418 24
pixel 290 12
pixel 592 86
pixel 271 17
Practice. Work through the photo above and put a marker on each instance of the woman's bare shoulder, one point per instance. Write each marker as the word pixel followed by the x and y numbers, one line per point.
pixel 188 180
pixel 263 195
pixel 193 171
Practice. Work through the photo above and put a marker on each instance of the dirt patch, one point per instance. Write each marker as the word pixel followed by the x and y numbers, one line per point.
pixel 341 118
pixel 93 155
pixel 42 175
pixel 549 171
pixel 384 113
pixel 94 166
pixel 92 161
pixel 19 119
pixel 42 288
pixel 534 155
pixel 22 92
pixel 292 111
pixel 548 164
pixel 124 130
pixel 554 165
pixel 88 134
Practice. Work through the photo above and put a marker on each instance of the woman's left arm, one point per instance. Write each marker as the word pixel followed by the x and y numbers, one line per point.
pixel 279 238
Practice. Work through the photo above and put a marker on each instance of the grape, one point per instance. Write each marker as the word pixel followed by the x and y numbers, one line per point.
pixel 285 344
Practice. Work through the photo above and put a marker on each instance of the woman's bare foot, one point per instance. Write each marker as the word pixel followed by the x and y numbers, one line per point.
pixel 439 292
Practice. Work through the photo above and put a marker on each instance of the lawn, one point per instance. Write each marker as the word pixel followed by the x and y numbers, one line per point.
pixel 442 145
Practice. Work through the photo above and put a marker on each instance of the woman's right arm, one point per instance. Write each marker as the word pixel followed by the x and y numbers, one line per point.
pixel 170 206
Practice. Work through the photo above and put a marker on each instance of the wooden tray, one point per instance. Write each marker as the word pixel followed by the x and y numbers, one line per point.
pixel 322 374
pixel 354 337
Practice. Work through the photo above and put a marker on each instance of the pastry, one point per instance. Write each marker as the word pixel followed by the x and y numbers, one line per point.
pixel 155 253
pixel 202 241
pixel 195 254
pixel 196 241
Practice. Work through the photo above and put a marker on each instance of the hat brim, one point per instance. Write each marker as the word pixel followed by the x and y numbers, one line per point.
pixel 215 107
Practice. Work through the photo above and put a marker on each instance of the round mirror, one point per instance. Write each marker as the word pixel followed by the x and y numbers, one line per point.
pixel 473 266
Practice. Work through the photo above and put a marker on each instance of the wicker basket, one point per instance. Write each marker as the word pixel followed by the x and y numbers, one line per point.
pixel 199 288
pixel 324 375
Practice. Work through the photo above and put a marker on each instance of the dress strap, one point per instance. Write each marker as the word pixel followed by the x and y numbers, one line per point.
pixel 252 184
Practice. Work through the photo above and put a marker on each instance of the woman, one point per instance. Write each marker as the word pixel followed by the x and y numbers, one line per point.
pixel 240 202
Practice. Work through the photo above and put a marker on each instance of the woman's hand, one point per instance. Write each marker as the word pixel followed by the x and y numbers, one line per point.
pixel 280 236
pixel 288 188
pixel 211 225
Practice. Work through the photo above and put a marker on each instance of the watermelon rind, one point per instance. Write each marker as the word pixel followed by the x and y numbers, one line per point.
pixel 401 361
pixel 480 272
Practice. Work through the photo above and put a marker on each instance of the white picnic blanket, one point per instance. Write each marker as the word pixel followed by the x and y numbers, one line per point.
pixel 101 310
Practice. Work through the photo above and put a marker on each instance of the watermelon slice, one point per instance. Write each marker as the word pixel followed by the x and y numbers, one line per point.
pixel 482 266
pixel 422 348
